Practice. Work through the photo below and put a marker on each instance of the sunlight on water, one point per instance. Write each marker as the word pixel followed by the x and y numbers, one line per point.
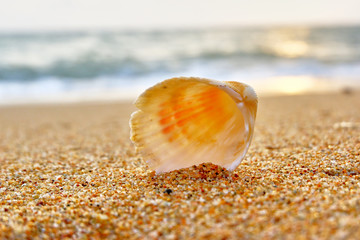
pixel 288 43
pixel 293 84
pixel 291 49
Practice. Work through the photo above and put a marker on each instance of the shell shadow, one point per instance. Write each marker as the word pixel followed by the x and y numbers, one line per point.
pixel 203 172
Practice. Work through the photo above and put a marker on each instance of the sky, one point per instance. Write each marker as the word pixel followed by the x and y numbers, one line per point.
pixel 29 15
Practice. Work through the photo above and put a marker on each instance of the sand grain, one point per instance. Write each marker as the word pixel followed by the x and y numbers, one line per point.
pixel 71 172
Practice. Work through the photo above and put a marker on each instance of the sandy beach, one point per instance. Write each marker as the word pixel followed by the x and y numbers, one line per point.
pixel 70 171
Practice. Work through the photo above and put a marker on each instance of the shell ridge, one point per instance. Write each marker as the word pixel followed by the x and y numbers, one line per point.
pixel 196 144
pixel 202 149
pixel 193 144
pixel 249 135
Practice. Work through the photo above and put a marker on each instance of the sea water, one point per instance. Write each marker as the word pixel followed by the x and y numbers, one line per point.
pixel 118 64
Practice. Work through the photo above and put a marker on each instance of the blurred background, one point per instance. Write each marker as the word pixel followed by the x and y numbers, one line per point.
pixel 77 50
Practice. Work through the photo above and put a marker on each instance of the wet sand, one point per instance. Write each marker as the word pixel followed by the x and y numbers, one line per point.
pixel 70 171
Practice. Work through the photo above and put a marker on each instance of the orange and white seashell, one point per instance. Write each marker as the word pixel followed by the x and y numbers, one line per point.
pixel 187 121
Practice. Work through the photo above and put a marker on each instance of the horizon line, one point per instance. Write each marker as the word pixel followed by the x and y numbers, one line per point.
pixel 175 28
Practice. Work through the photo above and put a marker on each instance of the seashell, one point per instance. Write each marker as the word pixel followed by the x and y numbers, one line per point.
pixel 187 121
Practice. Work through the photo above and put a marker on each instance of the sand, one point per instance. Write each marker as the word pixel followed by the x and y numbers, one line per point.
pixel 70 171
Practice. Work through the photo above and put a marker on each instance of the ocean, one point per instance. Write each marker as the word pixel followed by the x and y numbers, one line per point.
pixel 117 65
